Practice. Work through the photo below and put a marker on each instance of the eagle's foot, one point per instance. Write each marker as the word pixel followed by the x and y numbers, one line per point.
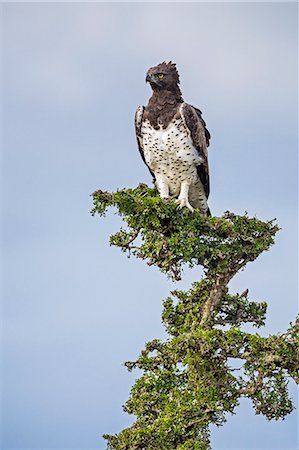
pixel 181 202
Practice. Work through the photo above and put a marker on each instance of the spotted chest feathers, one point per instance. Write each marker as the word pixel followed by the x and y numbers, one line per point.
pixel 170 153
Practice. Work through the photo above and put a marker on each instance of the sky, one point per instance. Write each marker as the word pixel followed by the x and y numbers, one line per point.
pixel 74 309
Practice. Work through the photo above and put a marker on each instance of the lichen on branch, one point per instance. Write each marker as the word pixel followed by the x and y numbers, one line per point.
pixel 189 382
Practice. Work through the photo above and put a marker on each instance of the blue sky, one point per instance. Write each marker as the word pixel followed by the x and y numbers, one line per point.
pixel 75 309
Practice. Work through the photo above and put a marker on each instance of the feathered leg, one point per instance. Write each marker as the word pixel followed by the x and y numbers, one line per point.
pixel 162 186
pixel 183 199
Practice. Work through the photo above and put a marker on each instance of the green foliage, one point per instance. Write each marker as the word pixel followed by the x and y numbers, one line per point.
pixel 190 381
pixel 172 237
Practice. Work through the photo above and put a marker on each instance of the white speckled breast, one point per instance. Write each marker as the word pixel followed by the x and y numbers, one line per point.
pixel 170 152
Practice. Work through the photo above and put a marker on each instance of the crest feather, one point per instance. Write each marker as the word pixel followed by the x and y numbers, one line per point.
pixel 168 67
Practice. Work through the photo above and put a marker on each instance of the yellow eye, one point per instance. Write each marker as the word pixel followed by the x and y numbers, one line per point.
pixel 160 75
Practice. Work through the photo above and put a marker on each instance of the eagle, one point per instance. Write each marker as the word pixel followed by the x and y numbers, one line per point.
pixel 173 139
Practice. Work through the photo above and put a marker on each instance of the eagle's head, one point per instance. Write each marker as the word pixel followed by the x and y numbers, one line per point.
pixel 163 76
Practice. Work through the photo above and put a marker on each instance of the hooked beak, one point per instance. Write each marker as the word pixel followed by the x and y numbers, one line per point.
pixel 148 78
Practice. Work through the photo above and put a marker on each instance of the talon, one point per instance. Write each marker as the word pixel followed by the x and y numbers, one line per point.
pixel 181 202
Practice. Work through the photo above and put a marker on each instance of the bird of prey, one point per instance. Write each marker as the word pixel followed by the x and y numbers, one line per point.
pixel 173 141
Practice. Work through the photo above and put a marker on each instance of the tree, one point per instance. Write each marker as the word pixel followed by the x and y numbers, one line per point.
pixel 188 381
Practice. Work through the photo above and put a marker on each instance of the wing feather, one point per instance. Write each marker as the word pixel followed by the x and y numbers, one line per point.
pixel 138 125
pixel 200 137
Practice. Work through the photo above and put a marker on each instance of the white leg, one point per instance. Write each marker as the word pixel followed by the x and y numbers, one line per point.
pixel 162 186
pixel 183 197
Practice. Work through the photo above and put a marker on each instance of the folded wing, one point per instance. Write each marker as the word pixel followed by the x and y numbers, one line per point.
pixel 138 125
pixel 200 137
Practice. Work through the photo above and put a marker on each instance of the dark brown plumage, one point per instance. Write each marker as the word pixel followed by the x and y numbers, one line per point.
pixel 173 140
pixel 162 105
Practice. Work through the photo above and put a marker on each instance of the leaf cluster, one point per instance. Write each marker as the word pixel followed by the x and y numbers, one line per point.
pixel 173 237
